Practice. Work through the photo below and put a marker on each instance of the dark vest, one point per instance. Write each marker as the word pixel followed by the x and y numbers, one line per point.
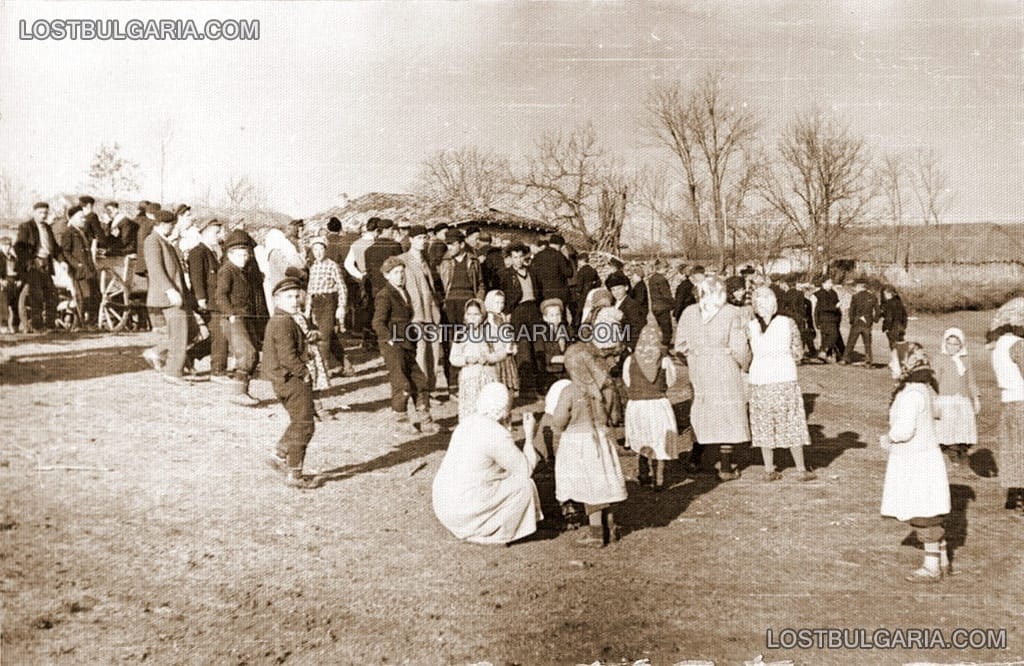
pixel 460 287
pixel 641 388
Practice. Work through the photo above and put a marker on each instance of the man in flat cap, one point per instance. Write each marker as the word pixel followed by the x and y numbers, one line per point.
pixel 383 247
pixel 424 300
pixel 93 227
pixel 169 293
pixel 145 229
pixel 204 261
pixel 37 249
pixel 522 304
pixel 632 314
pixel 78 249
pixel 461 280
pixel 436 245
pixel 355 266
pixel 234 302
pixel 553 271
pixel 492 261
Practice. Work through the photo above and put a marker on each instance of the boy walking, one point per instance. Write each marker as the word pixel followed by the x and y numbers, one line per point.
pixel 234 303
pixel 286 361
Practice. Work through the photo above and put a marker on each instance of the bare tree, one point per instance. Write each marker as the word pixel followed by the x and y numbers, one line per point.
pixel 763 236
pixel 166 136
pixel 930 185
pixel 713 138
pixel 111 173
pixel 12 196
pixel 821 184
pixel 892 175
pixel 658 198
pixel 575 181
pixel 243 194
pixel 465 176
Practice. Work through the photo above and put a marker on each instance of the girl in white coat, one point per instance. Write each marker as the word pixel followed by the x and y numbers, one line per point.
pixel 916 487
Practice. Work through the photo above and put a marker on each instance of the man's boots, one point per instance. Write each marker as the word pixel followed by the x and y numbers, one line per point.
pixel 240 394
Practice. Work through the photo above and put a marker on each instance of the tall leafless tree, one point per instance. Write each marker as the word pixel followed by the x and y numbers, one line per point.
pixel 821 183
pixel 930 185
pixel 892 175
pixel 713 138
pixel 763 235
pixel 572 179
pixel 243 195
pixel 466 176
pixel 12 196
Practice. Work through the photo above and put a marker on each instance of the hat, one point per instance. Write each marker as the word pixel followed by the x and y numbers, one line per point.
pixel 85 201
pixel 74 210
pixel 439 227
pixel 182 209
pixel 556 240
pixel 210 223
pixel 113 204
pixel 40 204
pixel 616 280
pixel 152 207
pixel 237 238
pixel 551 303
pixel 472 229
pixel 484 237
pixel 697 269
pixel 390 263
pixel 747 270
pixel 334 225
pixel 317 240
pixel 385 224
pixel 297 223
pixel 616 264
pixel 164 216
pixel 373 224
pixel 454 236
pixel 287 284
pixel 734 283
pixel 417 230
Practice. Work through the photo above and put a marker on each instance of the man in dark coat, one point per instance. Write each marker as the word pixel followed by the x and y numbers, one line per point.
pixel 123 234
pixel 523 307
pixel 492 261
pixel 827 316
pixel 37 249
pixel 383 247
pixel 638 287
pixel 661 300
pixel 792 304
pixel 894 316
pixel 145 228
pixel 587 280
pixel 863 314
pixel 203 263
pixel 552 270
pixel 93 228
pixel 436 247
pixel 338 245
pixel 169 293
pixel 633 318
pixel 77 249
pixel 686 291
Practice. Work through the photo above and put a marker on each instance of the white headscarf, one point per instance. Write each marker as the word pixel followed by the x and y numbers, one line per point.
pixel 960 355
pixel 493 401
pixel 711 292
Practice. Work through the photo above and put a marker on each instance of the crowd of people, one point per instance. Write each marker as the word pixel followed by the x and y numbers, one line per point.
pixel 488 322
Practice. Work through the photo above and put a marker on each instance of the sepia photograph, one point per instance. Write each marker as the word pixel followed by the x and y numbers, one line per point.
pixel 504 333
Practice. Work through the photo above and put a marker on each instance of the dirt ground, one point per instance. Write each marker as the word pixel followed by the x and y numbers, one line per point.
pixel 140 524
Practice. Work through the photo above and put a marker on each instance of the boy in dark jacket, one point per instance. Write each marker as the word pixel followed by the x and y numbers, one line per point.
pixel 285 358
pixel 234 302
pixel 894 316
pixel 392 315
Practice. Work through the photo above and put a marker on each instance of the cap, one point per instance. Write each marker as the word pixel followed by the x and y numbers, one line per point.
pixel 557 240
pixel 472 229
pixel 454 236
pixel 390 263
pixel 237 238
pixel 616 280
pixel 373 224
pixel 210 223
pixel 287 284
pixel 74 210
pixel 152 207
pixel 439 227
pixel 317 240
pixel 85 201
pixel 40 204
pixel 417 230
pixel 163 216
pixel 334 225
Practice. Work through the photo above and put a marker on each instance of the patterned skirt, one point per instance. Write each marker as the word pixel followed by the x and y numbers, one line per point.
pixel 472 379
pixel 1011 445
pixel 777 418
pixel 508 374
pixel 651 429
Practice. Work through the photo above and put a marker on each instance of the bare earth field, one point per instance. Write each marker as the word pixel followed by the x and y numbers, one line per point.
pixel 180 546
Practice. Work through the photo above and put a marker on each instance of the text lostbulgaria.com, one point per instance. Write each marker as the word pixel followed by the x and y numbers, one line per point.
pixel 139 30
pixel 886 639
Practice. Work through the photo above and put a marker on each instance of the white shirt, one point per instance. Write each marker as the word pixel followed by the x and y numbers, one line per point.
pixel 772 349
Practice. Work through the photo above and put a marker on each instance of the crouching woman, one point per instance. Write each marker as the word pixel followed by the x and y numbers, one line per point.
pixel 916 487
pixel 483 492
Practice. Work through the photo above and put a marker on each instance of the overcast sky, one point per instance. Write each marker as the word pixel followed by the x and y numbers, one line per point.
pixel 349 97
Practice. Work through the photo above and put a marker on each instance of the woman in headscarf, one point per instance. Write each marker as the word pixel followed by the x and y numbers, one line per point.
pixel 275 257
pixel 478 356
pixel 916 488
pixel 1005 337
pixel 959 400
pixel 498 328
pixel 597 298
pixel 587 467
pixel 650 422
pixel 776 404
pixel 483 492
pixel 713 337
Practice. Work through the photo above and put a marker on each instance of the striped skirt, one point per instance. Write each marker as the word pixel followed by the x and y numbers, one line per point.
pixel 1011 445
